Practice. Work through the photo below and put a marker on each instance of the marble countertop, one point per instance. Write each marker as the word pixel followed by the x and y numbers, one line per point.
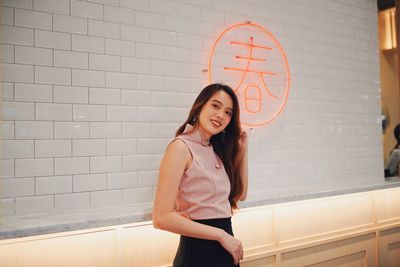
pixel 38 224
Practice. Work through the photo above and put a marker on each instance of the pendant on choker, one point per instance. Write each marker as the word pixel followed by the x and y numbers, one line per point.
pixel 205 142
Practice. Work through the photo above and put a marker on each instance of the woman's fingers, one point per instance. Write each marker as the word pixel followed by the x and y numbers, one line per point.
pixel 238 260
pixel 239 254
pixel 233 246
pixel 235 260
pixel 236 257
pixel 243 138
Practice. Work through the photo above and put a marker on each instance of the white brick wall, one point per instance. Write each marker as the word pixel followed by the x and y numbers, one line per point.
pixel 70 94
pixel 105 129
pixel 7 168
pixel 75 165
pixel 52 148
pixel 41 203
pixel 17 149
pixel 138 195
pixel 50 75
pixel 33 56
pixel 7 93
pixel 69 24
pixel 136 97
pixel 121 146
pixel 89 113
pixel 33 19
pixel 89 182
pixel 104 62
pixel 86 10
pixel 72 130
pixel 104 29
pixel 121 113
pixel 87 43
pixel 88 78
pixel 53 184
pixel 18 111
pixel 119 47
pixel 33 167
pixel 33 130
pixel 7 129
pixel 68 59
pixel 16 35
pixel 50 39
pixel 105 164
pixel 93 91
pixel 17 73
pixel 120 80
pixel 104 96
pixel 122 180
pixel 107 197
pixel 89 147
pixel 53 112
pixel 119 15
pixel 7 53
pixel 72 201
pixel 7 17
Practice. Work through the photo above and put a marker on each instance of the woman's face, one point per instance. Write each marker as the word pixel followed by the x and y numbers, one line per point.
pixel 216 114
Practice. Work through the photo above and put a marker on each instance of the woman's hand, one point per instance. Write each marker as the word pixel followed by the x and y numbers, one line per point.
pixel 242 159
pixel 243 142
pixel 233 246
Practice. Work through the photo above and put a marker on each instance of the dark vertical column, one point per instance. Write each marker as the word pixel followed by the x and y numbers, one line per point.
pixel 397 19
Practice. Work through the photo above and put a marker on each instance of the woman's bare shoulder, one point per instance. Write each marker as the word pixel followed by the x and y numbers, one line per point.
pixel 178 147
pixel 177 155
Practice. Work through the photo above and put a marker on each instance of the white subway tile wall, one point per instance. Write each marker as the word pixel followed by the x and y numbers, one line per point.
pixel 93 91
pixel 68 201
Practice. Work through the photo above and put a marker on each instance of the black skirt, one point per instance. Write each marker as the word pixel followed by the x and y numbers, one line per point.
pixel 195 252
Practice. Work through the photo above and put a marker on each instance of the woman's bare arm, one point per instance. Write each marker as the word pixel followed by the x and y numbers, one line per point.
pixel 243 167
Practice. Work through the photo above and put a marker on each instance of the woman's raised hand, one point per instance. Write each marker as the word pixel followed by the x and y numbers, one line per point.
pixel 243 141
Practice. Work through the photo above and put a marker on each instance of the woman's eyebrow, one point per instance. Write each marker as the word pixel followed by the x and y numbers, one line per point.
pixel 219 102
pixel 215 100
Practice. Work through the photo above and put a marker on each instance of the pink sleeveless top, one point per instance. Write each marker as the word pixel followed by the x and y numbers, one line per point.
pixel 204 189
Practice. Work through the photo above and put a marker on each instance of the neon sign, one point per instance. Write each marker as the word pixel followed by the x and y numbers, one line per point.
pixel 249 57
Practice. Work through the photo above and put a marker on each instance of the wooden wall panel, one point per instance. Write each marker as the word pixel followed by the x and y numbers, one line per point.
pixel 346 252
pixel 146 246
pixel 389 247
pixel 387 205
pixel 322 217
pixel 352 260
pixel 255 228
pixel 80 250
pixel 263 262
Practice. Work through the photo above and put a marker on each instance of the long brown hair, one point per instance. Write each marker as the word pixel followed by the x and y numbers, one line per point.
pixel 225 144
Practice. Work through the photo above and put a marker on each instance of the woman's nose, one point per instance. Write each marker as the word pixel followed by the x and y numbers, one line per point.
pixel 220 114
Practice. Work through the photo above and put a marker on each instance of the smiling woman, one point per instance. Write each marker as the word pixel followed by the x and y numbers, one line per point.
pixel 202 177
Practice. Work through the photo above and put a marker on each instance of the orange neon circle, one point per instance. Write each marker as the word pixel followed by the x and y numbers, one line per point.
pixel 282 54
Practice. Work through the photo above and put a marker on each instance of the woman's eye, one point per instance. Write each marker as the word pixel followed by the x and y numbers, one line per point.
pixel 214 105
pixel 229 113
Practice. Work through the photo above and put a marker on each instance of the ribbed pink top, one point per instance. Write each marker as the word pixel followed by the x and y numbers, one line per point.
pixel 204 189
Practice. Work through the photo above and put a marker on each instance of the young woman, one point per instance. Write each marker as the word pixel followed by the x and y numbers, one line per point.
pixel 202 177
